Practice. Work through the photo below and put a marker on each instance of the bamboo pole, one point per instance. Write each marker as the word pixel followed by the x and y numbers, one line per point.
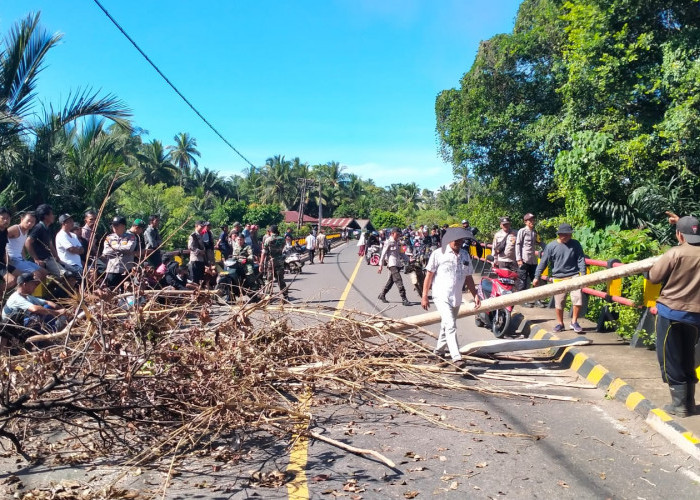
pixel 533 294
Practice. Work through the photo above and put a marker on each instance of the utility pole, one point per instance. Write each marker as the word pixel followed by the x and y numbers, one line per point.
pixel 320 206
pixel 303 185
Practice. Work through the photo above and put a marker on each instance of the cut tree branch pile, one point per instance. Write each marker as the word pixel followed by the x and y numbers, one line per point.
pixel 179 370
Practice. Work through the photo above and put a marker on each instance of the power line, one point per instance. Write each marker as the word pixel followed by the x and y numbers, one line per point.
pixel 114 21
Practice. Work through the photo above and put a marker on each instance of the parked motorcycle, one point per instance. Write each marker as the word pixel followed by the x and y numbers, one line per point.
pixel 416 273
pixel 498 282
pixel 293 263
pixel 372 254
pixel 233 281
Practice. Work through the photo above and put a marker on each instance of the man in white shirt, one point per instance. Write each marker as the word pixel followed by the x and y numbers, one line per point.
pixel 68 245
pixel 448 269
pixel 311 247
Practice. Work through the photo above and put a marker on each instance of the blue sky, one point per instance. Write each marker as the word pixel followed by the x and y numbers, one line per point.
pixel 352 81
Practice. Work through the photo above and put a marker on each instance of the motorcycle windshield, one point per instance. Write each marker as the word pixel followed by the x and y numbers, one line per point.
pixel 486 287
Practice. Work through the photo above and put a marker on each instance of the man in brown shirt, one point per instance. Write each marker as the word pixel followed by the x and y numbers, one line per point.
pixel 678 316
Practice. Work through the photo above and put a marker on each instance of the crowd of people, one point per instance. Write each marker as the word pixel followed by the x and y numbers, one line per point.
pixel 127 256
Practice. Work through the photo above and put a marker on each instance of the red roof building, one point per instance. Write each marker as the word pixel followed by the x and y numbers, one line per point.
pixel 292 216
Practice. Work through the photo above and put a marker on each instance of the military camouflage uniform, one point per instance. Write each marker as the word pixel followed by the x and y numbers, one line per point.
pixel 244 252
pixel 273 248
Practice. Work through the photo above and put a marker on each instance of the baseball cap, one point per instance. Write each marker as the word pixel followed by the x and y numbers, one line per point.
pixel 688 227
pixel 236 224
pixel 528 216
pixel 504 220
pixel 118 220
pixel 207 223
pixel 139 223
pixel 25 278
pixel 465 221
pixel 565 228
pixel 63 218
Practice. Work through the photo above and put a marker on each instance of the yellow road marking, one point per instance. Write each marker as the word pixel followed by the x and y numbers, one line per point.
pixel 348 287
pixel 298 488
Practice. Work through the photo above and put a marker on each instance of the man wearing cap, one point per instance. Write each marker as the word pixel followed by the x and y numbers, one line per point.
pixel 273 257
pixel 40 244
pixel 68 245
pixel 503 246
pixel 678 315
pixel 566 259
pixel 24 308
pixel 527 242
pixel 153 241
pixel 391 251
pixel 119 249
pixel 137 229
pixel 448 270
pixel 197 253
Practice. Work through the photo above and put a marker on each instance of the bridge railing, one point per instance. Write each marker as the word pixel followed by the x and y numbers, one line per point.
pixel 612 293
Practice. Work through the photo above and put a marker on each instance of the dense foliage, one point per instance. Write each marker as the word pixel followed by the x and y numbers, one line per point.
pixel 589 107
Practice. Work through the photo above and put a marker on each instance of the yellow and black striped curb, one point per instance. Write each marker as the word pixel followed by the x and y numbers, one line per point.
pixel 574 359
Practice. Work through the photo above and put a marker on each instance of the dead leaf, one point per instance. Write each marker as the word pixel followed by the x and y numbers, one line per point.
pixel 410 494
pixel 481 465
pixel 320 477
pixel 562 484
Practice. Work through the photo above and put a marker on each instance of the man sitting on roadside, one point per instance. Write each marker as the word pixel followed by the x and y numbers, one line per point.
pixel 33 312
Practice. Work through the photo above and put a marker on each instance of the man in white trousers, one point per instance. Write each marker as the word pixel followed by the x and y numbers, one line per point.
pixel 449 269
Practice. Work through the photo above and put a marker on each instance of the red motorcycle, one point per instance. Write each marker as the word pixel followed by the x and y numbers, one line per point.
pixel 498 282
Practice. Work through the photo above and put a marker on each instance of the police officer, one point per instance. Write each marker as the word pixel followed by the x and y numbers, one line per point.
pixel 392 253
pixel 503 247
pixel 273 251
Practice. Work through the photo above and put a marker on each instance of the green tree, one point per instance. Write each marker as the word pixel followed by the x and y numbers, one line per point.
pixel 184 154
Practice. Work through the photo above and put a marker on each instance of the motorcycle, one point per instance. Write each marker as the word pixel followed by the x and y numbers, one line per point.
pixel 233 281
pixel 293 263
pixel 416 273
pixel 498 282
pixel 372 255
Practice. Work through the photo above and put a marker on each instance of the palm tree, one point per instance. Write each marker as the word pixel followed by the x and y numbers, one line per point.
pixel 154 164
pixel 33 151
pixel 183 154
pixel 279 186
pixel 21 61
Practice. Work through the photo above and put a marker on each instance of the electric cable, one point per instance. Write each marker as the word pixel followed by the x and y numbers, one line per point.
pixel 114 21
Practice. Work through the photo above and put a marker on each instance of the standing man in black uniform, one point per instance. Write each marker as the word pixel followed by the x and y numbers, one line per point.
pixel 391 251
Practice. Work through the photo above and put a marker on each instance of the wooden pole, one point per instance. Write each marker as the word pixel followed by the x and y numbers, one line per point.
pixel 533 294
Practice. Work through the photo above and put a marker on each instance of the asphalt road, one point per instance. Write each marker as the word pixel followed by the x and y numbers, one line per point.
pixel 587 448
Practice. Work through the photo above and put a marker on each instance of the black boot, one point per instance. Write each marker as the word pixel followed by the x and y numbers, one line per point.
pixel 382 297
pixel 406 302
pixel 690 400
pixel 679 400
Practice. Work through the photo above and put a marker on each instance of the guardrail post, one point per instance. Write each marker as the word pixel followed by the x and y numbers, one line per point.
pixel 646 322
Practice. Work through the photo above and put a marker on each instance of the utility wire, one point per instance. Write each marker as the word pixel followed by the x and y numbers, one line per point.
pixel 114 21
